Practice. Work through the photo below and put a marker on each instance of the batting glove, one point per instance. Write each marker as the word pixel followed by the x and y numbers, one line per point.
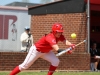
pixel 72 46
pixel 70 52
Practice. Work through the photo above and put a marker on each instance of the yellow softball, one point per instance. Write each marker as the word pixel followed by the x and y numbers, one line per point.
pixel 73 35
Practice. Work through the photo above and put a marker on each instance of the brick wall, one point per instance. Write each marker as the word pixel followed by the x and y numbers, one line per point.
pixel 79 61
pixel 40 25
pixel 72 23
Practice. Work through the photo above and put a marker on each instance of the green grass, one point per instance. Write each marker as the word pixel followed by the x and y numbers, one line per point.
pixel 56 73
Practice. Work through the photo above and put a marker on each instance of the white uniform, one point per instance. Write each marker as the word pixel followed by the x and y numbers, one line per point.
pixel 33 55
pixel 24 40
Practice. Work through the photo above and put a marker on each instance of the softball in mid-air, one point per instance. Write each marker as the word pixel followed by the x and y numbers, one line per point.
pixel 73 35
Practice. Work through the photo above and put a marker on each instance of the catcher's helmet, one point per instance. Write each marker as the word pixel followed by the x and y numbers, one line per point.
pixel 57 28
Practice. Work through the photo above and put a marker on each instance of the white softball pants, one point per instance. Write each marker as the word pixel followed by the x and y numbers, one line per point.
pixel 33 55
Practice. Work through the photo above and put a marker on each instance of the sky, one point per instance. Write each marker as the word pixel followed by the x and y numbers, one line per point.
pixel 4 2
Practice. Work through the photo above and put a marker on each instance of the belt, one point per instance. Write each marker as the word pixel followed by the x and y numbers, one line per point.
pixel 40 51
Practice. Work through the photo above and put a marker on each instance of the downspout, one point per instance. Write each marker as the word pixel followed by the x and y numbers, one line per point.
pixel 88 25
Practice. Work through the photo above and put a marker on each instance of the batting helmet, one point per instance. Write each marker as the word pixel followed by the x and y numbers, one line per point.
pixel 57 27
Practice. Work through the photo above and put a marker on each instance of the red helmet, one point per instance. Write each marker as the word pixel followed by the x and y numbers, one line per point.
pixel 57 27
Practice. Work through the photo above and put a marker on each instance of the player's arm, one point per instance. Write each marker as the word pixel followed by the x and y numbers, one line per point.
pixel 66 42
pixel 56 48
pixel 53 43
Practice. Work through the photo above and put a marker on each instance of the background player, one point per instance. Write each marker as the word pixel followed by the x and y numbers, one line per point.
pixel 26 40
pixel 43 49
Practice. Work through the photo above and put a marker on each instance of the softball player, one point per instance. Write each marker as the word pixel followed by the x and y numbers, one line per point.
pixel 43 49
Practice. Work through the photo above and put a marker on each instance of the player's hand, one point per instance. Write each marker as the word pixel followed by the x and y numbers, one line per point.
pixel 72 46
pixel 70 52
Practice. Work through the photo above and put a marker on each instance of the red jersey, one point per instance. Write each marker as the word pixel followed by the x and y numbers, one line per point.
pixel 46 42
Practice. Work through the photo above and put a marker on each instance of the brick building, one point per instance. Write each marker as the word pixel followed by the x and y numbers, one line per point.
pixel 73 17
pixel 72 14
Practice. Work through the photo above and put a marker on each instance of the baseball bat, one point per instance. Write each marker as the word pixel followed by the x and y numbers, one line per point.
pixel 66 50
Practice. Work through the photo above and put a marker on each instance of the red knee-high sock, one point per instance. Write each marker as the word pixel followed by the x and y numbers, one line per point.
pixel 15 71
pixel 51 70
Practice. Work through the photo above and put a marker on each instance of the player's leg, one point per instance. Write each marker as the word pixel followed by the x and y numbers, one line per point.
pixel 92 66
pixel 96 64
pixel 51 57
pixel 30 58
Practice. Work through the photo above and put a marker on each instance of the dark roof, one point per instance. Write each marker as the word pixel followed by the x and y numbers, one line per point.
pixel 59 7
pixel 21 4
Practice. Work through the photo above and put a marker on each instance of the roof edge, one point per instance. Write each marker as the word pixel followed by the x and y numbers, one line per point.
pixel 13 8
pixel 44 4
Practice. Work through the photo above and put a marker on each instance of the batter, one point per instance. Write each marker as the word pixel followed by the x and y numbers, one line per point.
pixel 43 49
